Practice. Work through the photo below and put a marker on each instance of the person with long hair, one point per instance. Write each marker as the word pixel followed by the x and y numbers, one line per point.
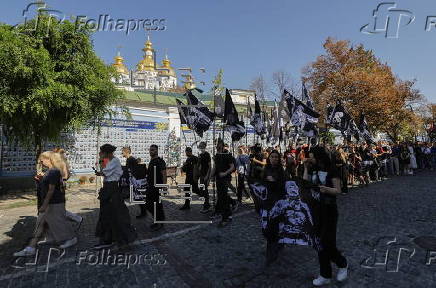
pixel 274 179
pixel 113 224
pixel 328 188
pixel 51 222
pixel 66 175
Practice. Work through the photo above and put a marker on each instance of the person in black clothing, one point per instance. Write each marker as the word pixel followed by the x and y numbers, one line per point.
pixel 51 222
pixel 131 165
pixel 205 169
pixel 223 175
pixel 113 225
pixel 274 178
pixel 328 219
pixel 156 174
pixel 190 168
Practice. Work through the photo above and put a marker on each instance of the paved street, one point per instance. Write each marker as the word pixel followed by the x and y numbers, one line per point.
pixel 201 255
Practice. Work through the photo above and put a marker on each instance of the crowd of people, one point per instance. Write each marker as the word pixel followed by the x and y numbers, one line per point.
pixel 327 169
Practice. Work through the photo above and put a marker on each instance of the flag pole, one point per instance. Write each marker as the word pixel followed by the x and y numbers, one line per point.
pixel 213 142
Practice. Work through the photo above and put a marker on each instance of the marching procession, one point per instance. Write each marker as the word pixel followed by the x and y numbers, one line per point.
pixel 293 188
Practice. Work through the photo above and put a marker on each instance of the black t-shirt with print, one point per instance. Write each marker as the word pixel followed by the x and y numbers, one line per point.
pixel 160 165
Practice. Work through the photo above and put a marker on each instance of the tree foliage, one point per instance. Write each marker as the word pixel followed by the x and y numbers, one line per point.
pixel 51 80
pixel 354 76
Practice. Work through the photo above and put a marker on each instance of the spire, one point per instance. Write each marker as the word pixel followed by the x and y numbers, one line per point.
pixel 147 63
pixel 166 64
pixel 119 63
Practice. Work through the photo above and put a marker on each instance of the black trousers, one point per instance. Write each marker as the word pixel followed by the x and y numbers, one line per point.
pixel 241 187
pixel 329 253
pixel 151 198
pixel 194 189
pixel 204 192
pixel 224 200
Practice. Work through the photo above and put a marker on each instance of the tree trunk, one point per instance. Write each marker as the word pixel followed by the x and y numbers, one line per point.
pixel 38 151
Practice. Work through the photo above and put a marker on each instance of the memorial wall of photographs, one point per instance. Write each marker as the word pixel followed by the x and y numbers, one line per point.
pixel 82 146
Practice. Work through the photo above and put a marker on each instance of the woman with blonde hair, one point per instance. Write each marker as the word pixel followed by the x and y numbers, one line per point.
pixel 51 221
pixel 65 176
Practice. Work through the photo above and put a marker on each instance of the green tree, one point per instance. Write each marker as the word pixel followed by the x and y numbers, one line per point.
pixel 51 80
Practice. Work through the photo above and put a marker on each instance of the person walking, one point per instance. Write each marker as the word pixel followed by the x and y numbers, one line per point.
pixel 52 224
pixel 66 175
pixel 190 168
pixel 205 169
pixel 222 172
pixel 329 187
pixel 242 162
pixel 113 226
pixel 156 174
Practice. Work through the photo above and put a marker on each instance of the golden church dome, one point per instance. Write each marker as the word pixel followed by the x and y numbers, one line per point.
pixel 147 63
pixel 119 64
pixel 169 71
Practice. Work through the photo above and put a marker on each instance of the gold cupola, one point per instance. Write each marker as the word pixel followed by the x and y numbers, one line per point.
pixel 147 63
pixel 169 71
pixel 189 83
pixel 119 64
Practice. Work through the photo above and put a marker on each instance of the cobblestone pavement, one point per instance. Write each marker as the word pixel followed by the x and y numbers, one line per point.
pixel 387 214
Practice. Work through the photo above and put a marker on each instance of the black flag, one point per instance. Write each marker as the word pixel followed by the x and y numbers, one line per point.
pixel 230 113
pixel 339 118
pixel 364 129
pixel 199 118
pixel 219 103
pixel 183 111
pixel 236 127
pixel 257 120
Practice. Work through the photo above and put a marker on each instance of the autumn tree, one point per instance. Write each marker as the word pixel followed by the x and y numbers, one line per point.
pixel 354 76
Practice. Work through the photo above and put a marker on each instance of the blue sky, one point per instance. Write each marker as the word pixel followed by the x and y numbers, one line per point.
pixel 251 37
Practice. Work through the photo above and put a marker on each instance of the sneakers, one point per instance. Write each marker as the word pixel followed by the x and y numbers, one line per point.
pixel 205 210
pixel 225 222
pixel 102 245
pixel 79 223
pixel 141 216
pixel 28 251
pixel 69 243
pixel 235 206
pixel 320 281
pixel 45 242
pixel 156 226
pixel 342 274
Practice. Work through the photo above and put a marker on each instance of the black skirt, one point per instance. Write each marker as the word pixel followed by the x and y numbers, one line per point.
pixel 114 223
